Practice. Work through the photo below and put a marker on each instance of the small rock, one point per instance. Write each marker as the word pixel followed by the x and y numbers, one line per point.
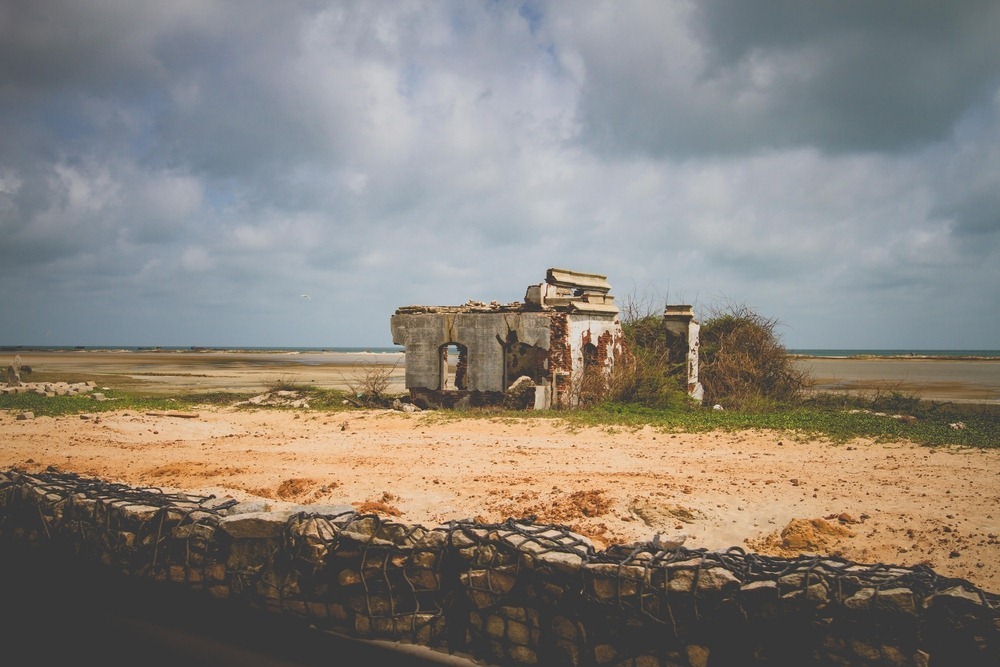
pixel 669 543
pixel 25 415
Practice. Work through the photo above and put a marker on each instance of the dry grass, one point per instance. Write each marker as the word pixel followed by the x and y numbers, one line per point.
pixel 369 383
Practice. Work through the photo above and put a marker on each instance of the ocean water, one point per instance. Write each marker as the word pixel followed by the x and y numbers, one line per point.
pixel 946 354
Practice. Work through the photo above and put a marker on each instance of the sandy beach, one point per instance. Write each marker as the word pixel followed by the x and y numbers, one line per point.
pixel 765 491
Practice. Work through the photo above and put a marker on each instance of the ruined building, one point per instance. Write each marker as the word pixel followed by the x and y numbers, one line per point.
pixel 544 351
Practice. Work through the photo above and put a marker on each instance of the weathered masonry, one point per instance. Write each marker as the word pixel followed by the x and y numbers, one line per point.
pixel 683 329
pixel 567 327
pixel 549 350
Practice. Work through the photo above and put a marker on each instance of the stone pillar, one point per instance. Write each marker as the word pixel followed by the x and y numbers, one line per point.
pixel 679 320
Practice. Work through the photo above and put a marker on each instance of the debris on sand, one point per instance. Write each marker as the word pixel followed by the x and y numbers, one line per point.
pixel 804 536
pixel 284 398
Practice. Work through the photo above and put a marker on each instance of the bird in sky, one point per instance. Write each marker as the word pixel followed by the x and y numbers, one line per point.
pixel 305 296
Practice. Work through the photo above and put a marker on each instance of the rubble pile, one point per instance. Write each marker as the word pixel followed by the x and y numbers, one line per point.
pixel 50 388
pixel 513 593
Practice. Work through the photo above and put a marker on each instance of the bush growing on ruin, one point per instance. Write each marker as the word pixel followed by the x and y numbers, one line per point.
pixel 742 361
pixel 646 374
pixel 645 377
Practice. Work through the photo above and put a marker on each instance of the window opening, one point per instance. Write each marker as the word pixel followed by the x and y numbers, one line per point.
pixel 454 367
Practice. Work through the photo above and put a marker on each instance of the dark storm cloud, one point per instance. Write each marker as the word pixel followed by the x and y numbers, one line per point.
pixel 839 76
pixel 978 214
pixel 94 46
pixel 969 184
pixel 180 172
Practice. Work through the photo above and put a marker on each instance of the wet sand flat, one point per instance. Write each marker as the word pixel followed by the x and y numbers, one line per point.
pixel 939 379
pixel 166 372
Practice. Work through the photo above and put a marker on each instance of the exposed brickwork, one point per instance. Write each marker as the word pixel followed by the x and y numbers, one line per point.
pixel 604 344
pixel 560 359
pixel 538 339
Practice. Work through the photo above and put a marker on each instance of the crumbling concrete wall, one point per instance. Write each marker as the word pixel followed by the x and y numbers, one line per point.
pixel 513 593
pixel 545 339
pixel 605 342
pixel 425 331
pixel 564 337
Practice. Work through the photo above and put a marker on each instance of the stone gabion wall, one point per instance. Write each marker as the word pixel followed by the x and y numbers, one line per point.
pixel 514 593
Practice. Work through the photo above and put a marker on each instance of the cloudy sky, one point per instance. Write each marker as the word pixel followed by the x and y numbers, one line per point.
pixel 181 173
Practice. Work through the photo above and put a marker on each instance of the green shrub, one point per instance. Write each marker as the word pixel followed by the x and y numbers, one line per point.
pixel 743 363
pixel 652 371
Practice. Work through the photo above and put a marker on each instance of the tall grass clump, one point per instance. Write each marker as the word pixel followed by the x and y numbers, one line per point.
pixel 743 364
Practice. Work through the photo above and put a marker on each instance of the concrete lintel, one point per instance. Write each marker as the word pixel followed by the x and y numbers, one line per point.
pixel 600 308
pixel 576 280
pixel 678 312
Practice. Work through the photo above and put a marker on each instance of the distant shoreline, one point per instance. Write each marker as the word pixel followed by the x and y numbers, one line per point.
pixel 803 354
pixel 200 370
pixel 198 349
pixel 972 378
pixel 901 357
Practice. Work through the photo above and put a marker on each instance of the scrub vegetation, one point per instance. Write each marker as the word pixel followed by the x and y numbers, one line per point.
pixel 750 382
pixel 881 416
